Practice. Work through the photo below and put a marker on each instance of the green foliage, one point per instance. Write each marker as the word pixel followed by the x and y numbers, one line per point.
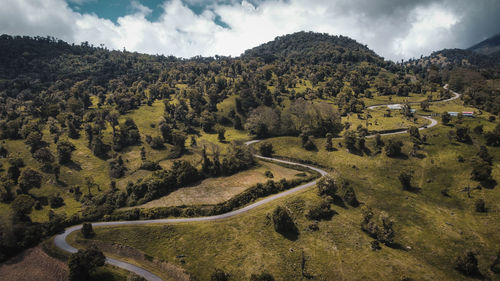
pixel 467 264
pixel 29 179
pixel 84 262
pixel 321 211
pixel 393 147
pixel 87 230
pixel 266 149
pixel 405 179
pixel 219 275
pixel 283 222
pixel 64 150
pixel 22 206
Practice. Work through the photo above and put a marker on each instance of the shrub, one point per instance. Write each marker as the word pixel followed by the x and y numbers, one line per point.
pixel 322 211
pixel 157 143
pixel 467 264
pixel 405 179
pixel 150 166
pixel 266 149
pixel 269 174
pixel 56 201
pixel 219 275
pixel 283 222
pixel 393 148
pixel 87 230
pixel 480 206
pixel 84 262
pixel 327 186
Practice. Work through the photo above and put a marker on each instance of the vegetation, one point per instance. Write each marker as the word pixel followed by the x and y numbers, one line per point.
pixel 90 134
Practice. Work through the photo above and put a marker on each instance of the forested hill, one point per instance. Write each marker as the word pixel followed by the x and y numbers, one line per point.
pixel 310 47
pixel 488 46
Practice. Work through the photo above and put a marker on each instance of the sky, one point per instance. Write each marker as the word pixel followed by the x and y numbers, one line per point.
pixel 394 29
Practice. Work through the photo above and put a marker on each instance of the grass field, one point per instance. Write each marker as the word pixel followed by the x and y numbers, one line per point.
pixel 432 229
pixel 216 190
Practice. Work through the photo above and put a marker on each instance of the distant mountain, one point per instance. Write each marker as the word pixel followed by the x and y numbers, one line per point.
pixel 488 47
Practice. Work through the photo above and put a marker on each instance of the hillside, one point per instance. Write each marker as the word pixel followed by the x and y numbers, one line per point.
pixel 490 46
pixel 88 134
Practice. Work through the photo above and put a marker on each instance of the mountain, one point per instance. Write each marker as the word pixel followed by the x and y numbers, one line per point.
pixel 311 47
pixel 489 46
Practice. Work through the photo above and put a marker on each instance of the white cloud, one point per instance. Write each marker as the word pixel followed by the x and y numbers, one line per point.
pixel 394 29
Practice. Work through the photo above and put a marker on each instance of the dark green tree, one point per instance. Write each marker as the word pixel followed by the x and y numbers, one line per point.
pixel 84 262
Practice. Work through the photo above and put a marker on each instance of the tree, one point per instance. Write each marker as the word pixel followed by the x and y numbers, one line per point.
pixel 424 105
pixel 220 134
pixel 415 134
pixel 350 139
pixel 219 275
pixel 34 140
pixel 405 179
pixel 327 186
pixel 116 168
pixel 445 118
pixel 462 134
pixel 481 170
pixel 485 155
pixel 56 201
pixel 329 144
pixel 22 206
pixel 44 155
pixel 29 179
pixel 98 147
pixel 64 150
pixel 283 222
pixel 266 149
pixel 157 142
pixel 393 148
pixel 467 264
pixel 480 206
pixel 87 230
pixel 84 262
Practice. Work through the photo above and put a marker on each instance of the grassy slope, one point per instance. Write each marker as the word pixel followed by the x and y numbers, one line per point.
pixel 432 229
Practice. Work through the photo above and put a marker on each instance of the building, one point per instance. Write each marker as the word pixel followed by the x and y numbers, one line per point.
pixel 452 113
pixel 468 113
pixel 394 106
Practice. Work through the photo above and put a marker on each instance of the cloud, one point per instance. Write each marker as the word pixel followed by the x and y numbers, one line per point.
pixel 394 29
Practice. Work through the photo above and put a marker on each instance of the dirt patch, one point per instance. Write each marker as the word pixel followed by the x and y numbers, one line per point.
pixel 33 264
pixel 217 190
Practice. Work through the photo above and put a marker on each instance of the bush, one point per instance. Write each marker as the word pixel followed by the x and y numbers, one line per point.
pixel 150 166
pixel 405 179
pixel 480 206
pixel 84 262
pixel 393 148
pixel 87 230
pixel 266 149
pixel 467 264
pixel 219 275
pixel 327 186
pixel 283 222
pixel 30 179
pixel 322 211
pixel 269 174
pixel 56 201
pixel 157 143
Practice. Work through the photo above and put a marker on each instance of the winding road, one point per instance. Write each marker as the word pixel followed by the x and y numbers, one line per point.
pixel 61 243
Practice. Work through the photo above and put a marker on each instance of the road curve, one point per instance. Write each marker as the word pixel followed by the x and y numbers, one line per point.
pixel 61 243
